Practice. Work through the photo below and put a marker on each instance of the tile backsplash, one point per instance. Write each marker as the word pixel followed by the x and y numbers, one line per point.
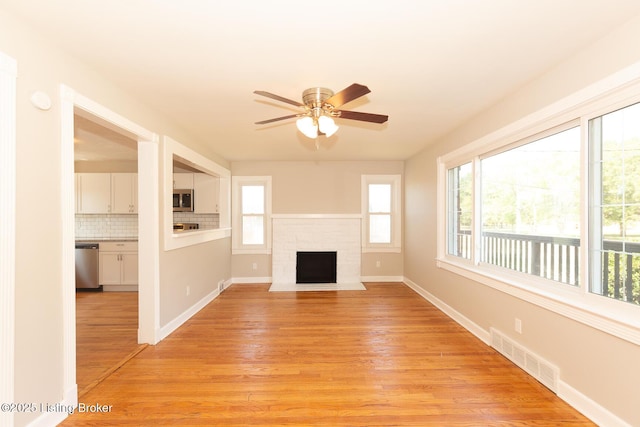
pixel 115 226
pixel 107 226
pixel 206 221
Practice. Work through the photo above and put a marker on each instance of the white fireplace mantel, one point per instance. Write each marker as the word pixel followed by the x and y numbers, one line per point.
pixel 316 216
pixel 292 233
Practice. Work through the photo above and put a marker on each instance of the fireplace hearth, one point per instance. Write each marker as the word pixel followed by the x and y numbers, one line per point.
pixel 316 267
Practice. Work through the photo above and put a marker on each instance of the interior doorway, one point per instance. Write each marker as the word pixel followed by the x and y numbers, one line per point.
pixel 106 249
pixel 73 106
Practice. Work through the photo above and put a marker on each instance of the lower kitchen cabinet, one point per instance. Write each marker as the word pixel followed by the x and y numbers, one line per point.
pixel 118 266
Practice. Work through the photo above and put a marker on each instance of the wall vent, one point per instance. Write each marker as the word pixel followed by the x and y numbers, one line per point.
pixel 530 362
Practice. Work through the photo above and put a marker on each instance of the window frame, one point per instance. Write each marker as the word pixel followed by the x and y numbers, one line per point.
pixel 238 247
pixel 617 318
pixel 395 245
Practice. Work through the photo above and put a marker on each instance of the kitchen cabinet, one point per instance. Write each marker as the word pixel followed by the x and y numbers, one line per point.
pixel 183 181
pixel 124 193
pixel 205 193
pixel 103 193
pixel 118 266
pixel 93 193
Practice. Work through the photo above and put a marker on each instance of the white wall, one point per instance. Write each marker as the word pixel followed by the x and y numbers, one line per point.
pixel 595 366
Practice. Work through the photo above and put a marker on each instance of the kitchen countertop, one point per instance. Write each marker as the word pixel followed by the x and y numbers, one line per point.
pixel 108 239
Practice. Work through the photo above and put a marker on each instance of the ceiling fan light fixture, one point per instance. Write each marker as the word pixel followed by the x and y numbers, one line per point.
pixel 321 105
pixel 327 125
pixel 307 126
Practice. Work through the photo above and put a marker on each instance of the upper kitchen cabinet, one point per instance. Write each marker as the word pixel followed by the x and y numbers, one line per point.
pixel 124 193
pixel 93 193
pixel 104 193
pixel 183 181
pixel 205 193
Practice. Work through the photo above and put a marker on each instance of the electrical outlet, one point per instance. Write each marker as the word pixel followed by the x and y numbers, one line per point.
pixel 518 325
pixel 378 264
pixel 254 266
pixel 188 290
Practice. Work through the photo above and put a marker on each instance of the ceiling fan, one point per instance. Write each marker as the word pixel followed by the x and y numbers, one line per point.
pixel 321 105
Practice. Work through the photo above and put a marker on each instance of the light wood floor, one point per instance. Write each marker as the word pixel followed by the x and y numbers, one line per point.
pixel 381 357
pixel 106 334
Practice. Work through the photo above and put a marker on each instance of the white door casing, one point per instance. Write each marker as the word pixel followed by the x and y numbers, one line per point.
pixel 8 73
pixel 148 226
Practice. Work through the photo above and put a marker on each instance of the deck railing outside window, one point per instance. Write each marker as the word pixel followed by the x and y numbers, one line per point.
pixel 558 259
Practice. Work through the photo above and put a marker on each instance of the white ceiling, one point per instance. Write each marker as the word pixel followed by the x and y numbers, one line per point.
pixel 431 64
pixel 97 143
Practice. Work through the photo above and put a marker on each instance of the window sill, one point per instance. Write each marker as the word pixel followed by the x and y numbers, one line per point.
pixel 238 251
pixel 369 249
pixel 616 318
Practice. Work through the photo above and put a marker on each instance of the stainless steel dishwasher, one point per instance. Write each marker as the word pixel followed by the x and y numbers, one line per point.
pixel 87 265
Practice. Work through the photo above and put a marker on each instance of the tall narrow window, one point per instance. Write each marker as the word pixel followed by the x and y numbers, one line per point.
pixel 253 209
pixel 251 214
pixel 615 204
pixel 459 209
pixel 381 212
pixel 531 207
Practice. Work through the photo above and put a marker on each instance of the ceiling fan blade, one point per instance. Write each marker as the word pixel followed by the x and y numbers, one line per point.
pixel 264 122
pixel 363 117
pixel 278 98
pixel 347 95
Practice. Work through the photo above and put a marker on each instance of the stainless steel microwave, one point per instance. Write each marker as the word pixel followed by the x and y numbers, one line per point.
pixel 183 200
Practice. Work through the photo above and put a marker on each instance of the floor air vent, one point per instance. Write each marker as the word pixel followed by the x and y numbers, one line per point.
pixel 530 362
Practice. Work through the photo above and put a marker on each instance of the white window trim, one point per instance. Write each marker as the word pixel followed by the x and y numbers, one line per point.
pixel 237 248
pixel 617 318
pixel 396 213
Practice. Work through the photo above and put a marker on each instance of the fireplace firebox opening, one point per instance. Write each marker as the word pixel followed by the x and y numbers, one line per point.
pixel 316 267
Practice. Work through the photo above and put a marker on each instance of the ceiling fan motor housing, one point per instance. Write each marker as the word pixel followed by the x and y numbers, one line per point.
pixel 315 96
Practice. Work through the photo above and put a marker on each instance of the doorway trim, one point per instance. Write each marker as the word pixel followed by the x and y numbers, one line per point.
pixel 148 239
pixel 8 75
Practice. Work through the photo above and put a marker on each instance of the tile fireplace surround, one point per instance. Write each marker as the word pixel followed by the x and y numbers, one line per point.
pixel 293 233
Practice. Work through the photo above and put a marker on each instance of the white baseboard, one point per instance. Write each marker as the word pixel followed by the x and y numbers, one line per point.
pixel 167 329
pixel 380 279
pixel 583 404
pixel 466 323
pixel 251 280
pixel 52 415
pixel 588 407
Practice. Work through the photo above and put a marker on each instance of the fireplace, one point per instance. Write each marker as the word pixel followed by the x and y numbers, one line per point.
pixel 316 267
pixel 293 233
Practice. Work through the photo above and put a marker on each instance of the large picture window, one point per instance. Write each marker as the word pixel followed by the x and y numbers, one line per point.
pixel 547 209
pixel 530 207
